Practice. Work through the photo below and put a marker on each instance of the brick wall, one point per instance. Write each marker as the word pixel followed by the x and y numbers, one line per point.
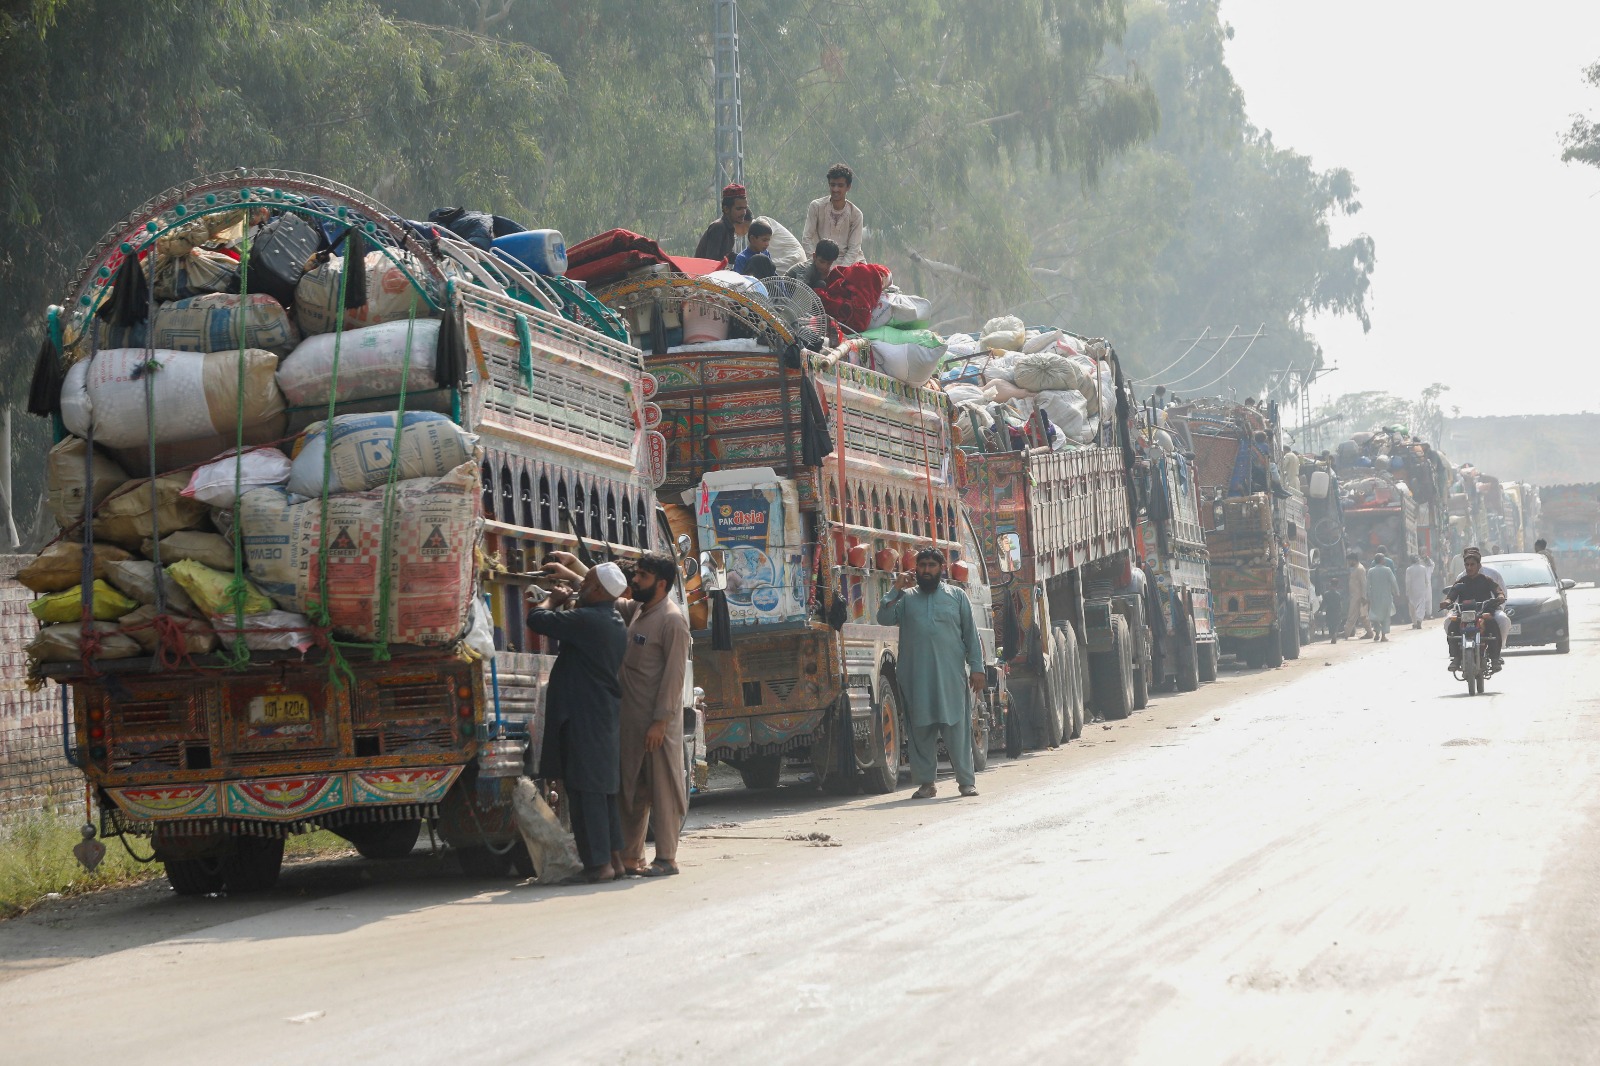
pixel 33 769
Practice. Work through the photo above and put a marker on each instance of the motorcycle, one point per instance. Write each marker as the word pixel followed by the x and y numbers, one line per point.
pixel 1475 622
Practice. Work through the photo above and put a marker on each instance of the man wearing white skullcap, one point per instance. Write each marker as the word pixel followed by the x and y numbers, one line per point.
pixel 582 713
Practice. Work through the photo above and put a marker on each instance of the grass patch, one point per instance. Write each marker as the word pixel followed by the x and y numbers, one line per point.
pixel 36 860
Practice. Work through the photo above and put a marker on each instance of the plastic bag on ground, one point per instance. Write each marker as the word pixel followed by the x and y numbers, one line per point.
pixel 371 362
pixel 106 604
pixel 64 480
pixel 554 854
pixel 60 566
pixel 195 396
pixel 59 643
pixel 430 562
pixel 390 295
pixel 140 624
pixel 208 589
pixel 1005 332
pixel 431 445
pixel 213 484
pixel 268 631
pixel 136 579
pixel 125 518
pixel 208 549
pixel 1045 372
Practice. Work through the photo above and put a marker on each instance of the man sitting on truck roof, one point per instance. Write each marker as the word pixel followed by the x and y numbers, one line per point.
pixel 718 239
pixel 815 273
pixel 835 218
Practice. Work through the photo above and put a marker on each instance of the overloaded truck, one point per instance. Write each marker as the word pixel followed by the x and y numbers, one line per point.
pixel 269 625
pixel 1255 525
pixel 1570 521
pixel 802 483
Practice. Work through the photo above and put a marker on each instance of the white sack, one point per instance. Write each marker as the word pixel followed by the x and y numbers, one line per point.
pixel 259 468
pixel 784 248
pixel 363 451
pixel 371 361
pixel 195 396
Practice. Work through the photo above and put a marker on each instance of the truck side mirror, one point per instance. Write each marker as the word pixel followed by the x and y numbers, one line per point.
pixel 1009 546
pixel 713 571
pixel 685 546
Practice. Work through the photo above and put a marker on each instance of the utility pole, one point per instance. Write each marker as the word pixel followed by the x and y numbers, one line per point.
pixel 727 110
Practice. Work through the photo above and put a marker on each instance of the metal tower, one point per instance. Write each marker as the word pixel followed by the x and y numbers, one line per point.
pixel 727 110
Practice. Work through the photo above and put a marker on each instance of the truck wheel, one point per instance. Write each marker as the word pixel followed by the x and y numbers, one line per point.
pixel 1049 701
pixel 883 776
pixel 1112 674
pixel 1189 662
pixel 254 864
pixel 981 719
pixel 1208 661
pixel 194 877
pixel 1291 633
pixel 761 771
pixel 1141 686
pixel 479 863
pixel 1013 729
pixel 383 840
pixel 1067 644
pixel 827 758
pixel 1272 648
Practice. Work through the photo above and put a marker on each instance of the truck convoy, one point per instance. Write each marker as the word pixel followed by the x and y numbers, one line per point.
pixel 1255 526
pixel 1570 521
pixel 268 624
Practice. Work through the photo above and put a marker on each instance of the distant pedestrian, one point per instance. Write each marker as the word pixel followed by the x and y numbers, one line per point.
pixel 1543 548
pixel 582 714
pixel 1419 591
pixel 1159 399
pixel 1357 608
pixel 835 218
pixel 1382 591
pixel 940 659
pixel 718 240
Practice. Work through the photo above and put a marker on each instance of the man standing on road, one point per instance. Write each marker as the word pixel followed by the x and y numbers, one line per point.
pixel 938 645
pixel 1382 591
pixel 1542 546
pixel 582 713
pixel 1357 611
pixel 832 217
pixel 1419 591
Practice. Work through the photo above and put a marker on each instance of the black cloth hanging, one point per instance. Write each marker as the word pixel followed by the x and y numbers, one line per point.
pixel 355 271
pixel 721 622
pixel 44 394
pixel 451 360
pixel 129 302
pixel 816 441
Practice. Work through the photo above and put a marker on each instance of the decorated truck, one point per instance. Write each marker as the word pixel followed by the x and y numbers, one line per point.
pixel 802 485
pixel 1569 520
pixel 332 624
pixel 1255 526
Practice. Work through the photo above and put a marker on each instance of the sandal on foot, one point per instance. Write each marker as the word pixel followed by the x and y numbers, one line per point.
pixel 659 869
pixel 969 790
pixel 926 792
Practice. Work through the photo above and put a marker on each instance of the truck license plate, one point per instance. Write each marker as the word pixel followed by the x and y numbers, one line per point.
pixel 1516 629
pixel 280 708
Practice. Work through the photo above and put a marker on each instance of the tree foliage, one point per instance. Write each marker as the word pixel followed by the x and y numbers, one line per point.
pixel 1582 141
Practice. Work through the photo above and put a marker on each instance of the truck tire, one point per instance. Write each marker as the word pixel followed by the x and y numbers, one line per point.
pixel 383 840
pixel 1050 701
pixel 1208 661
pixel 835 769
pixel 1014 745
pixel 761 772
pixel 1271 651
pixel 1188 661
pixel 1141 685
pixel 981 720
pixel 1291 632
pixel 194 877
pixel 1112 674
pixel 254 864
pixel 883 776
pixel 1067 643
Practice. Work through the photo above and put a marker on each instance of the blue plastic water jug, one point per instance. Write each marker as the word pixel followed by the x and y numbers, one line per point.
pixel 540 250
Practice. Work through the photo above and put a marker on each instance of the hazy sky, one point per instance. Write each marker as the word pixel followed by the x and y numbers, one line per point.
pixel 1449 116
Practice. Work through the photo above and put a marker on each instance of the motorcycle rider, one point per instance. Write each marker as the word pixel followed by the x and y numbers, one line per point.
pixel 1475 585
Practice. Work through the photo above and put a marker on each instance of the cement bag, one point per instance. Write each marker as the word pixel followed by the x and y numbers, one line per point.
pixel 60 566
pixel 105 603
pixel 208 589
pixel 64 480
pixel 1006 332
pixel 59 643
pixel 430 562
pixel 911 356
pixel 1069 410
pixel 268 631
pixel 196 396
pixel 126 518
pixel 371 361
pixel 259 468
pixel 191 545
pixel 1045 372
pixel 390 295
pixel 186 455
pixel 784 248
pixel 211 323
pixel 136 579
pixel 363 451
pixel 554 855
pixel 140 624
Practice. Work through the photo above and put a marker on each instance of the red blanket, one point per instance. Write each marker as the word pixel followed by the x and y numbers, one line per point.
pixel 853 292
pixel 608 256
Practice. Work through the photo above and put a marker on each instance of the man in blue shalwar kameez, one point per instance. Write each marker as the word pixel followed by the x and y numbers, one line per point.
pixel 939 660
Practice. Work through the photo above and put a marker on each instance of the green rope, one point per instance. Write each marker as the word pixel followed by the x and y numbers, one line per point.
pixel 339 671
pixel 381 652
pixel 239 655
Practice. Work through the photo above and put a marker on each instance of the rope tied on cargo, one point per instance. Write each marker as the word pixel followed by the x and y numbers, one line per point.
pixel 239 588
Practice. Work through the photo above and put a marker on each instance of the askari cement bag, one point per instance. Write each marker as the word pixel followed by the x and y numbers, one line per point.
pixel 432 545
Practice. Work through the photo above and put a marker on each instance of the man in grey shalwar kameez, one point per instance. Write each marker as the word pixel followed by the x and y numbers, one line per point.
pixel 939 660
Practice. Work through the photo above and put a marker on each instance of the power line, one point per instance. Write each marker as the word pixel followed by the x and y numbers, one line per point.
pixel 1175 362
pixel 1261 331
pixel 1209 359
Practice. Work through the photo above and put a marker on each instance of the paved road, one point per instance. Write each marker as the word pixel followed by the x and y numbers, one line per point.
pixel 1344 861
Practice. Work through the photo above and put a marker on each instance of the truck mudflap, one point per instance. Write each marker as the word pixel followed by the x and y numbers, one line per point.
pixel 275 804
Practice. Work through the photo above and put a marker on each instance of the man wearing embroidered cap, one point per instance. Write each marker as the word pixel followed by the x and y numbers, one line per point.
pixel 582 718
pixel 717 241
